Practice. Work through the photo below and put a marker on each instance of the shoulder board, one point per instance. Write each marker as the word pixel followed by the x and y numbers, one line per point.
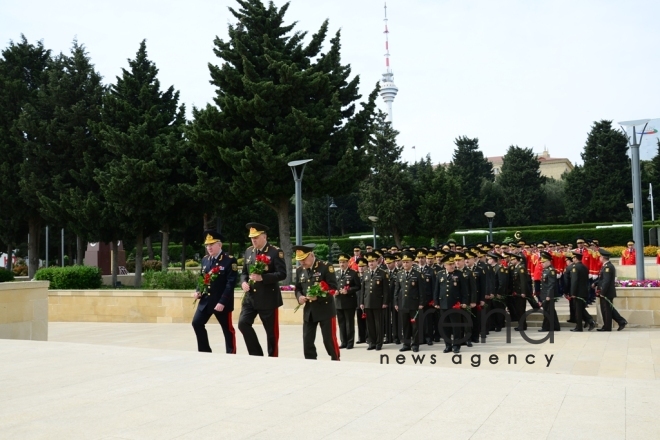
pixel 331 269
pixel 250 248
pixel 552 272
pixel 522 270
pixel 464 275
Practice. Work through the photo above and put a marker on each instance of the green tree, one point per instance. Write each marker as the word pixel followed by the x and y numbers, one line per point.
pixel 386 192
pixel 554 208
pixel 142 130
pixel 470 168
pixel 522 186
pixel 279 100
pixel 576 196
pixel 439 201
pixel 23 73
pixel 606 173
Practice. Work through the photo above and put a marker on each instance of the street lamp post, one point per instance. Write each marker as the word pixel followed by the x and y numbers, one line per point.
pixel 490 215
pixel 331 205
pixel 374 219
pixel 298 168
pixel 638 225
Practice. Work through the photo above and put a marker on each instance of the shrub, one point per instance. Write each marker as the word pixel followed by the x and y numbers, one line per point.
pixel 154 265
pixel 6 275
pixel 170 280
pixel 240 261
pixel 192 263
pixel 649 251
pixel 20 270
pixel 71 277
pixel 321 251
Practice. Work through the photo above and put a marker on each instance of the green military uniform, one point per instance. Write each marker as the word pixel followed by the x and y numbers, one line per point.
pixel 520 286
pixel 549 290
pixel 450 289
pixel 409 297
pixel 374 295
pixel 608 290
pixel 346 304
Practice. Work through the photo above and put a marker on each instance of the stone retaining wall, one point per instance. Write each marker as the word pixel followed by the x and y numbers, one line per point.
pixel 24 310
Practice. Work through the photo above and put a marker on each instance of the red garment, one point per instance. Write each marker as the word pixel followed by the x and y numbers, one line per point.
pixel 657 259
pixel 594 263
pixel 628 257
pixel 558 261
pixel 538 271
pixel 352 263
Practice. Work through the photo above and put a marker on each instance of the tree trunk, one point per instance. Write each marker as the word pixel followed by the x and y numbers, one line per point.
pixel 115 262
pixel 80 251
pixel 10 255
pixel 164 250
pixel 34 227
pixel 183 254
pixel 150 248
pixel 285 235
pixel 139 250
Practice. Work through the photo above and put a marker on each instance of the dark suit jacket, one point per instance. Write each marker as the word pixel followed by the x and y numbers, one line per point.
pixel 375 290
pixel 321 308
pixel 450 288
pixel 351 280
pixel 266 294
pixel 579 279
pixel 222 288
pixel 409 290
pixel 606 281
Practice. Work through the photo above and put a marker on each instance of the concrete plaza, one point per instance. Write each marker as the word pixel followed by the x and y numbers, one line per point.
pixel 143 381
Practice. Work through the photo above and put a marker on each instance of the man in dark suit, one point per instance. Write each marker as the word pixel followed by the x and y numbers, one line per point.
pixel 374 297
pixel 607 292
pixel 578 276
pixel 390 315
pixel 547 291
pixel 220 269
pixel 520 285
pixel 348 283
pixel 262 291
pixel 449 289
pixel 318 311
pixel 409 300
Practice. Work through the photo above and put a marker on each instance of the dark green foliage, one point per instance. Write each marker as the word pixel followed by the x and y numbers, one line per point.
pixel 71 277
pixel 522 187
pixel 279 100
pixel 554 210
pixel 175 280
pixel 6 275
pixel 471 169
pixel 387 191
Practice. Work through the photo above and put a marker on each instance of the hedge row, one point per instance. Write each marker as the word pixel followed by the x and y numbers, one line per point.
pixel 176 280
pixel 649 251
pixel 71 277
pixel 6 275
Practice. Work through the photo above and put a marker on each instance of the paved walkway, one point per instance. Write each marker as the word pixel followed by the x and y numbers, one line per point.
pixel 146 381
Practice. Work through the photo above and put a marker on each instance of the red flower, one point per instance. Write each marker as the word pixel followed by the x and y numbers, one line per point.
pixel 216 269
pixel 325 286
pixel 332 292
pixel 412 320
pixel 457 305
pixel 364 315
pixel 262 258
pixel 431 303
pixel 207 278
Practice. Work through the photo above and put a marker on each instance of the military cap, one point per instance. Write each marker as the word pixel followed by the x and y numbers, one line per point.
pixel 421 253
pixel 302 251
pixel 579 240
pixel 256 229
pixel 451 241
pixel 630 242
pixel 605 253
pixel 445 247
pixel 378 253
pixel 596 242
pixel 568 255
pixel 540 245
pixel 448 259
pixel 470 254
pixel 357 248
pixel 459 256
pixel 361 262
pixel 516 256
pixel 493 255
pixel 577 255
pixel 343 257
pixel 213 237
pixel 407 256
pixel 397 256
pixel 372 256
pixel 389 258
pixel 545 256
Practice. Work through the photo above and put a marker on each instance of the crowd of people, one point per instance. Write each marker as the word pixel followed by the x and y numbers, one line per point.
pixel 405 296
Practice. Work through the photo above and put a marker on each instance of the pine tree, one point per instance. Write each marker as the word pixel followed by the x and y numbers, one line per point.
pixel 142 130
pixel 607 173
pixel 279 100
pixel 386 192
pixel 470 168
pixel 576 196
pixel 23 73
pixel 522 186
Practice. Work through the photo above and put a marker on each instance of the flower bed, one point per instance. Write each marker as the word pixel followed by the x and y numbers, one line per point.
pixel 638 283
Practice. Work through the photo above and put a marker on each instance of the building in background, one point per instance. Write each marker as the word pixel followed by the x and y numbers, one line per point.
pixel 553 167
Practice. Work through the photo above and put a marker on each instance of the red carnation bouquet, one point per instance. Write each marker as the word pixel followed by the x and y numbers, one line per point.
pixel 459 306
pixel 321 290
pixel 204 283
pixel 260 265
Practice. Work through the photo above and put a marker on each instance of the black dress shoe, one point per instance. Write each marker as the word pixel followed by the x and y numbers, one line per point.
pixel 447 349
pixel 469 343
pixel 602 330
pixel 429 341
pixel 517 329
pixel 592 325
pixel 361 342
pixel 541 330
pixel 457 349
pixel 387 341
pixel 415 348
pixel 379 347
pixel 349 347
pixel 576 330
pixel 371 347
pixel 436 339
pixel 622 326
pixel 343 346
pixel 404 348
pixel 571 321
pixel 498 330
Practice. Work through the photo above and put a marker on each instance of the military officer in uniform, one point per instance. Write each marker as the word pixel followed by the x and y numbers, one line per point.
pixel 318 311
pixel 348 283
pixel 548 291
pixel 390 315
pixel 578 284
pixel 448 290
pixel 607 292
pixel 220 298
pixel 361 315
pixel 262 291
pixel 521 287
pixel 430 323
pixel 409 300
pixel 374 297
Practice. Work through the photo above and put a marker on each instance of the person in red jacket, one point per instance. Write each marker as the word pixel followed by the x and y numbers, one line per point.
pixel 628 256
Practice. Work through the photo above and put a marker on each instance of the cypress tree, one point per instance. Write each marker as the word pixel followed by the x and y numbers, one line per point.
pixel 522 187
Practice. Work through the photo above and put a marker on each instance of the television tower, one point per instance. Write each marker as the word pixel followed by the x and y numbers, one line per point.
pixel 388 89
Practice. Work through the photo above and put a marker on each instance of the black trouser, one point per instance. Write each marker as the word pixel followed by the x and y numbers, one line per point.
pixel 329 333
pixel 549 308
pixel 572 307
pixel 609 313
pixel 409 328
pixel 513 311
pixel 476 325
pixel 520 304
pixel 396 324
pixel 346 319
pixel 581 313
pixel 224 318
pixel 361 325
pixel 430 321
pixel 388 333
pixel 497 320
pixel 374 326
pixel 455 328
pixel 270 320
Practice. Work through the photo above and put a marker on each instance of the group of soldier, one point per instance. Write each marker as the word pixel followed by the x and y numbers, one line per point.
pixel 407 296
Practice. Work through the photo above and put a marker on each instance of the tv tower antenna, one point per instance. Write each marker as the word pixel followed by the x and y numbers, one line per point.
pixel 388 89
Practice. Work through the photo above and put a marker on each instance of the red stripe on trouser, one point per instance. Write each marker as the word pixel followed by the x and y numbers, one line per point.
pixel 277 332
pixel 333 328
pixel 233 332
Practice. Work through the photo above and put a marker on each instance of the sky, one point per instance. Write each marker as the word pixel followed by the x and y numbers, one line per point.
pixel 531 73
